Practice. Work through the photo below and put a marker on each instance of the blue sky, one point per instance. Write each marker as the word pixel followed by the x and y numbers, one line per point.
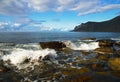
pixel 54 15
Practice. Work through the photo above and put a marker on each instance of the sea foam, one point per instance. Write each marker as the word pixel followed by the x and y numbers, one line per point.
pixel 82 45
pixel 19 56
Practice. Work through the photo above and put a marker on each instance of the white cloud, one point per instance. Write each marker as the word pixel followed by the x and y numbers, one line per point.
pixel 16 25
pixel 13 7
pixel 100 9
pixel 83 7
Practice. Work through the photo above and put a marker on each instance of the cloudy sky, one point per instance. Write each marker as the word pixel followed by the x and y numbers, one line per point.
pixel 54 15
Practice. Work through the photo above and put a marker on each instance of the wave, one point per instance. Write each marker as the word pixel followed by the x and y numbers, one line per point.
pixel 81 45
pixel 19 56
pixel 22 55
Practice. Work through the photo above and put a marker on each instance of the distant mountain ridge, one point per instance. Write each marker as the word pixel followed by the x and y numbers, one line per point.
pixel 112 25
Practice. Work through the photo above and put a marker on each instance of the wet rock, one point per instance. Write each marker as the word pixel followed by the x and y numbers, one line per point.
pixel 117 43
pixel 4 69
pixel 75 71
pixel 67 51
pixel 118 52
pixel 114 64
pixel 86 52
pixel 97 66
pixel 116 73
pixel 82 78
pixel 103 57
pixel 89 61
pixel 106 43
pixel 52 45
pixel 104 50
pixel 92 77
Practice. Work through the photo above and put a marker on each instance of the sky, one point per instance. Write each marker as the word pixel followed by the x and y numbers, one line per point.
pixel 54 15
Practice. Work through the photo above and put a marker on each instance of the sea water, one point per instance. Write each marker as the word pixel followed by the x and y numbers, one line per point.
pixel 22 51
pixel 34 37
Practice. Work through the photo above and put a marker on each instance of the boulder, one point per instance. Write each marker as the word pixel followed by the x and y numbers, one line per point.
pixel 114 64
pixel 104 50
pixel 106 43
pixel 52 45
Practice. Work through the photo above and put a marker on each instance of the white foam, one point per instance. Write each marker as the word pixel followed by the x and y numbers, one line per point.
pixel 82 45
pixel 20 55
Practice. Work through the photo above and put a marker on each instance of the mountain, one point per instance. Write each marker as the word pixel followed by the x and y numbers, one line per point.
pixel 112 25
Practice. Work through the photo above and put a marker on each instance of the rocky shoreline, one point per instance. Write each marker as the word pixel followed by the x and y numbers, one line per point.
pixel 99 65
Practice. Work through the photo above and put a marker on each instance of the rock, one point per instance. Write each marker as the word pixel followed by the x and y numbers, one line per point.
pixel 75 71
pixel 82 78
pixel 52 45
pixel 67 51
pixel 104 50
pixel 116 73
pixel 103 57
pixel 106 43
pixel 117 43
pixel 86 52
pixel 97 66
pixel 4 69
pixel 118 52
pixel 114 64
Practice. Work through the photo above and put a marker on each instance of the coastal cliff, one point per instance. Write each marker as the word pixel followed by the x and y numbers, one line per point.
pixel 112 25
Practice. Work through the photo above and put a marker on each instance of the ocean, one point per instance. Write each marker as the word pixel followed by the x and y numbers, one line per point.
pixel 34 37
pixel 24 60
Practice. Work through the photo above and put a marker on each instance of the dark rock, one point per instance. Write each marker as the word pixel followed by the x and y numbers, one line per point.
pixel 117 43
pixel 105 50
pixel 103 57
pixel 97 66
pixel 81 78
pixel 112 25
pixel 4 69
pixel 106 43
pixel 114 64
pixel 52 45
pixel 75 71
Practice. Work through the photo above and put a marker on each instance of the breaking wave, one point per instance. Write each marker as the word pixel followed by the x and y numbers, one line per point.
pixel 19 56
pixel 79 45
pixel 22 55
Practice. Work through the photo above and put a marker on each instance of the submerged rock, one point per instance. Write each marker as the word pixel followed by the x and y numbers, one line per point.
pixel 114 64
pixel 104 50
pixel 106 43
pixel 52 45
